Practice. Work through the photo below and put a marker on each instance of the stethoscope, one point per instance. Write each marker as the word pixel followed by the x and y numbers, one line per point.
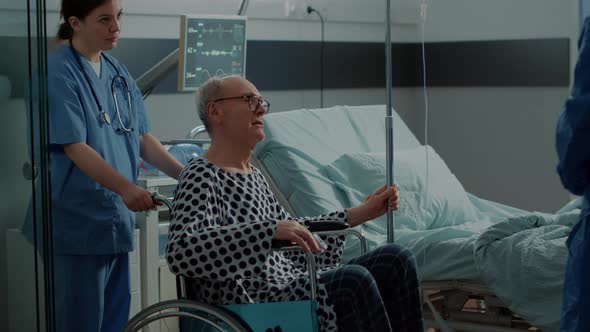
pixel 104 116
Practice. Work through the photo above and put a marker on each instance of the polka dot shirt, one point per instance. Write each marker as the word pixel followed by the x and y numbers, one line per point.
pixel 221 231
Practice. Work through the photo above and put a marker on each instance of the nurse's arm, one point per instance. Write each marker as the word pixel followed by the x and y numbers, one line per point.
pixel 153 152
pixel 95 167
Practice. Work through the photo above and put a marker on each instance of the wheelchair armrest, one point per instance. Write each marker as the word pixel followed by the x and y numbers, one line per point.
pixel 349 232
pixel 315 227
pixel 338 228
pixel 280 244
pixel 286 244
pixel 322 226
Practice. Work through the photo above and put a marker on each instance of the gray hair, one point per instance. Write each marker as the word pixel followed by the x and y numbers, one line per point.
pixel 209 90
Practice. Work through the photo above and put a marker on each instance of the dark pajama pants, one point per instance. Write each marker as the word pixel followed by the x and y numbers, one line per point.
pixel 378 291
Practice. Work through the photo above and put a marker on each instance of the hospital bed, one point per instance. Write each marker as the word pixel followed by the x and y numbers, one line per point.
pixel 325 159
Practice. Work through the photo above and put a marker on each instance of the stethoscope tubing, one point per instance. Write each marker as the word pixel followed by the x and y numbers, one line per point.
pixel 104 115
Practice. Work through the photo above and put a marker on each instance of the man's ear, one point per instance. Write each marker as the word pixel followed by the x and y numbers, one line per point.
pixel 215 113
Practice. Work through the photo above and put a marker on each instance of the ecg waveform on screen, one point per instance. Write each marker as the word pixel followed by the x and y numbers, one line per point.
pixel 216 53
pixel 235 51
pixel 205 74
pixel 210 31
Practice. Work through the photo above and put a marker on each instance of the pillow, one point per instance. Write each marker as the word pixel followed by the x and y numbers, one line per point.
pixel 439 202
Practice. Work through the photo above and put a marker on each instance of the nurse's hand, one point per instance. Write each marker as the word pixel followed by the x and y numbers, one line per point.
pixel 297 233
pixel 137 199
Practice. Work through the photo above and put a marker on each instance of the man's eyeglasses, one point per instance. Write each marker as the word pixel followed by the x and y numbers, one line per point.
pixel 254 102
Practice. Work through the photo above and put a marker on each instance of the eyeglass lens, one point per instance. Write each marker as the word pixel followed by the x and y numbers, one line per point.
pixel 256 102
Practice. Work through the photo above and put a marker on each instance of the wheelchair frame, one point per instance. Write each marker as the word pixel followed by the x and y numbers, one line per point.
pixel 177 308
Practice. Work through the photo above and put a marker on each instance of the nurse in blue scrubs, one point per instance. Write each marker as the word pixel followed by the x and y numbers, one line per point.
pixel 573 148
pixel 98 132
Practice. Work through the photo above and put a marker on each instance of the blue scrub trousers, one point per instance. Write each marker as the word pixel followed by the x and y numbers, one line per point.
pixel 92 292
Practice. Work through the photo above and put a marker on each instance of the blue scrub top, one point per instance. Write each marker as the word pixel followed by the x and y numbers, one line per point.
pixel 89 219
pixel 573 148
pixel 573 130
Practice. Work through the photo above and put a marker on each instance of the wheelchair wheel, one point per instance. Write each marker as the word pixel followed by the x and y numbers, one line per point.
pixel 216 318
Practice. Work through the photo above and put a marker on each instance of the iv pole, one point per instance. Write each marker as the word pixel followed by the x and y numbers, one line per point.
pixel 389 119
pixel 154 75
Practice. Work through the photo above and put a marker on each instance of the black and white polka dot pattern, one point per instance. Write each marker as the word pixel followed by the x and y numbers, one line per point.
pixel 221 229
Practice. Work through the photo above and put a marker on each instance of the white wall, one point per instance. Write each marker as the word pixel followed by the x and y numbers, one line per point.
pixel 500 141
pixel 499 19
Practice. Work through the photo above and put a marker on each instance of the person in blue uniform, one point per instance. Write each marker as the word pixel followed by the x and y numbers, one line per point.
pixel 98 130
pixel 573 148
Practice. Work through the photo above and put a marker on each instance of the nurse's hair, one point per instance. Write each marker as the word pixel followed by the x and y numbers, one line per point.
pixel 207 92
pixel 77 8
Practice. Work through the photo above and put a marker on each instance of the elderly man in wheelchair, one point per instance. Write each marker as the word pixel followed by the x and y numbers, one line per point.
pixel 225 222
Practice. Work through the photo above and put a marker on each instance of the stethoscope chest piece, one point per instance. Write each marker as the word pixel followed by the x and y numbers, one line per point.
pixel 105 117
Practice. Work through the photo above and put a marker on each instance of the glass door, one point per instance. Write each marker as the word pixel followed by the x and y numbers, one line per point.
pixel 25 270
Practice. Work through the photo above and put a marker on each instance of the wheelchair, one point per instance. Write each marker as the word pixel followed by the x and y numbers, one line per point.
pixel 219 318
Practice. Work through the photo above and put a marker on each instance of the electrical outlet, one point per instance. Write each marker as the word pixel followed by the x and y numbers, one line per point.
pixel 322 9
pixel 295 9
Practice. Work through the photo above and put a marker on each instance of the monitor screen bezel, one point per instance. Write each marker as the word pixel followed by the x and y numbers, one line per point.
pixel 182 43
